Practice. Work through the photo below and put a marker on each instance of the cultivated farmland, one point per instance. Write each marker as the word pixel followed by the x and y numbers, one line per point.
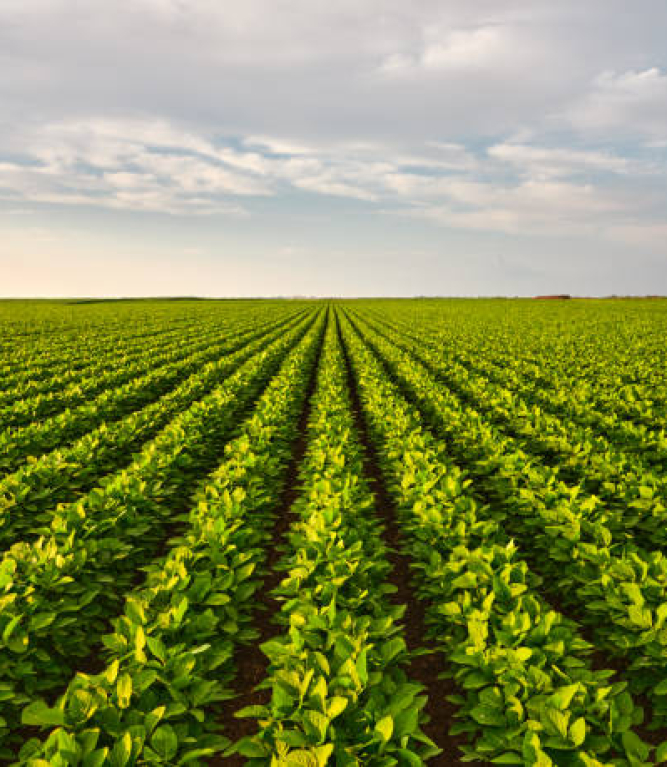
pixel 310 533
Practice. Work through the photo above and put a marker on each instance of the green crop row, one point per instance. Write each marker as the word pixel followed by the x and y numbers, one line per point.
pixel 338 692
pixel 99 384
pixel 620 591
pixel 519 449
pixel 28 498
pixel 169 660
pixel 612 375
pixel 156 377
pixel 58 379
pixel 634 495
pixel 529 694
pixel 86 334
pixel 59 591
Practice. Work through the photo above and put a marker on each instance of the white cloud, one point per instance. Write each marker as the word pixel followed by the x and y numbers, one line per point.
pixel 447 52
pixel 543 208
pixel 466 48
pixel 551 162
pixel 277 146
pixel 148 165
pixel 125 164
pixel 326 183
pixel 632 102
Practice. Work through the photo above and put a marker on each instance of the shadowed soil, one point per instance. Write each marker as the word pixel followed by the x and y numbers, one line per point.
pixel 250 662
pixel 428 668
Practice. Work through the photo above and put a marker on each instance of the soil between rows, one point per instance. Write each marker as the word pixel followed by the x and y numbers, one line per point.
pixel 250 662
pixel 424 668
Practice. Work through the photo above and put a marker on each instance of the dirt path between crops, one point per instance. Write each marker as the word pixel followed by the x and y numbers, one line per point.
pixel 250 662
pixel 424 669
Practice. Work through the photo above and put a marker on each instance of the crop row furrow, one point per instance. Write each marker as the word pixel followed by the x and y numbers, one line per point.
pixel 530 694
pixel 634 496
pixel 609 399
pixel 59 591
pixel 169 660
pixel 42 436
pixel 58 383
pixel 611 434
pixel 86 392
pixel 29 497
pixel 618 590
pixel 338 689
pixel 76 358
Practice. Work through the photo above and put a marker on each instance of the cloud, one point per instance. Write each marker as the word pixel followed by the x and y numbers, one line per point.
pixel 552 208
pixel 153 166
pixel 631 103
pixel 277 146
pixel 463 121
pixel 309 70
pixel 458 50
pixel 554 162
pixel 136 165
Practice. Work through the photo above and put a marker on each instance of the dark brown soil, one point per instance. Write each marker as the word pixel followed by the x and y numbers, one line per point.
pixel 425 669
pixel 251 664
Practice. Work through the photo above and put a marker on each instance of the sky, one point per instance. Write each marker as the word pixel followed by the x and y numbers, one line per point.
pixel 361 147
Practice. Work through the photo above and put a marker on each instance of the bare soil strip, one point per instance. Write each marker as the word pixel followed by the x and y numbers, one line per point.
pixel 250 662
pixel 425 669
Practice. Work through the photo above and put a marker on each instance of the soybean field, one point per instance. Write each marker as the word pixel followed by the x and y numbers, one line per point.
pixel 333 532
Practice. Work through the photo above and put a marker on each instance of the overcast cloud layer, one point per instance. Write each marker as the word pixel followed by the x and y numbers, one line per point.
pixel 353 148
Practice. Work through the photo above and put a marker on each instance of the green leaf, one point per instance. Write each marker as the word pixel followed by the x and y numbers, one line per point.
pixel 40 715
pixel 96 758
pixel 562 698
pixel 640 616
pixel 410 758
pixel 256 712
pixel 250 748
pixel 42 620
pixel 318 722
pixel 164 741
pixel 134 610
pixel 466 581
pixel 556 720
pixel 124 690
pixel 385 728
pixel 322 753
pixel 121 751
pixel 81 706
pixel 301 758
pixel 9 628
pixel 635 746
pixel 578 731
pixel 361 668
pixel 661 752
pixel 489 717
pixel 336 706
